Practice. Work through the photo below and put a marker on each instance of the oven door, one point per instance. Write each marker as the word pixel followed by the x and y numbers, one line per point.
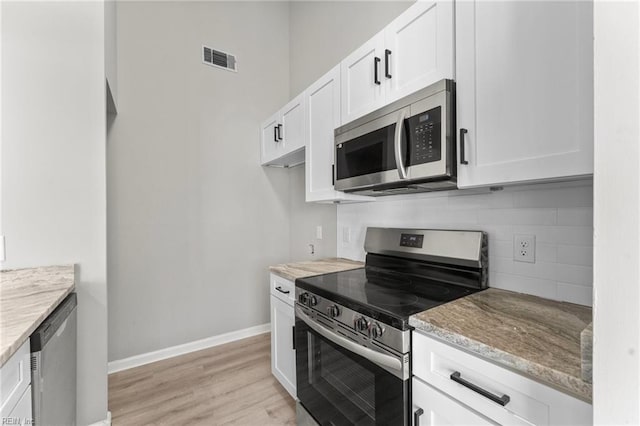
pixel 340 387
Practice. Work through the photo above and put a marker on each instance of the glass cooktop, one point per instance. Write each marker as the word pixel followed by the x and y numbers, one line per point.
pixel 388 297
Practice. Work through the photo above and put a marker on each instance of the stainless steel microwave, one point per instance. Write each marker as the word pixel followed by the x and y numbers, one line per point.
pixel 407 146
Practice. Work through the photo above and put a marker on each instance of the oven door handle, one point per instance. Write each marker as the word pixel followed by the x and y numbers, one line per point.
pixel 373 356
pixel 402 171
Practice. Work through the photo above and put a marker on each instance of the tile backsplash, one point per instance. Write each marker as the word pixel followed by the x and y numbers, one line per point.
pixel 560 215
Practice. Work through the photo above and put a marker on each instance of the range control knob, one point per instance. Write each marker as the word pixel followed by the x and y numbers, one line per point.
pixel 303 298
pixel 362 324
pixel 313 301
pixel 376 330
pixel 333 311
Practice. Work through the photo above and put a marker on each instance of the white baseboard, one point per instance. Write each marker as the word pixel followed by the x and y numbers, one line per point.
pixel 149 357
pixel 105 422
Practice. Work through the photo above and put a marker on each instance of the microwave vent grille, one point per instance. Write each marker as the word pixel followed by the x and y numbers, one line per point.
pixel 219 59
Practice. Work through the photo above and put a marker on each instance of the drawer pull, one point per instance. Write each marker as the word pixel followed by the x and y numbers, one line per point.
pixel 502 400
pixel 282 291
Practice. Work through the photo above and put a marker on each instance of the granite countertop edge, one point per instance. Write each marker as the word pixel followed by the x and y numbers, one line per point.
pixel 26 332
pixel 308 268
pixel 562 381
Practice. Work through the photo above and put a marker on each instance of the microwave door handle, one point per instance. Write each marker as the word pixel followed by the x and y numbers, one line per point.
pixel 373 356
pixel 402 171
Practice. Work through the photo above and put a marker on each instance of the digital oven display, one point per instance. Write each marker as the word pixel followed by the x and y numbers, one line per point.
pixel 411 240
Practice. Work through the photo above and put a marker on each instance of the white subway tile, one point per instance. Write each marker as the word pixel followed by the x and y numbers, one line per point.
pixel 518 216
pixel 573 274
pixel 556 197
pixel 546 252
pixel 520 284
pixel 575 255
pixel 500 248
pixel 579 216
pixel 575 294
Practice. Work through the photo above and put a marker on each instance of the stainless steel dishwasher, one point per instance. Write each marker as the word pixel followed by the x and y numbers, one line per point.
pixel 53 366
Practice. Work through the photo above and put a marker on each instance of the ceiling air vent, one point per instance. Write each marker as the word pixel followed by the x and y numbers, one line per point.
pixel 219 59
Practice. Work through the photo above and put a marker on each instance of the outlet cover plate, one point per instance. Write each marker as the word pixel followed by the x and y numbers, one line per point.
pixel 524 248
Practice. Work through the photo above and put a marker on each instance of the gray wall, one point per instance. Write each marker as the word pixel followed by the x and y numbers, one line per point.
pixel 322 33
pixel 53 164
pixel 194 221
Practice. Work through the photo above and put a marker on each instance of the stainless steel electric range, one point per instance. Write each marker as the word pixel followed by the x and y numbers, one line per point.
pixel 352 337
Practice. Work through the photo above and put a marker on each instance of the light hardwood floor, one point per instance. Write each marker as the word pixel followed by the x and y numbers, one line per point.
pixel 229 384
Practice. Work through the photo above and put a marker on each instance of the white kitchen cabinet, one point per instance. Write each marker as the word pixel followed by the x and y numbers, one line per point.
pixel 15 385
pixel 418 48
pixel 413 51
pixel 433 408
pixel 524 74
pixel 529 402
pixel 322 109
pixel 22 412
pixel 283 354
pixel 362 88
pixel 282 135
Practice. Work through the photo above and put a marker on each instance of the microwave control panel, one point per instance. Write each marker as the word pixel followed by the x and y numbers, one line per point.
pixel 425 136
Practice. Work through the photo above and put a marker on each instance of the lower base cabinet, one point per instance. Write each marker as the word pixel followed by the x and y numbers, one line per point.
pixel 449 379
pixel 283 354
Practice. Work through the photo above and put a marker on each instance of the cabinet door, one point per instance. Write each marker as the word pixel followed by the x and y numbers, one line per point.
pixel 322 109
pixel 439 409
pixel 270 139
pixel 283 356
pixel 524 90
pixel 22 410
pixel 293 125
pixel 418 48
pixel 362 73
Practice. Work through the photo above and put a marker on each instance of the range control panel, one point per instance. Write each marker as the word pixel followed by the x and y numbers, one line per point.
pixel 411 240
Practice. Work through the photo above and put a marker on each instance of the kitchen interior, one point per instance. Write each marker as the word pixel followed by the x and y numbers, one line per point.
pixel 320 213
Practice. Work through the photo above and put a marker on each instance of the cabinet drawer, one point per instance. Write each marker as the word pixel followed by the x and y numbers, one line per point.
pixel 283 289
pixel 439 410
pixel 15 377
pixel 529 402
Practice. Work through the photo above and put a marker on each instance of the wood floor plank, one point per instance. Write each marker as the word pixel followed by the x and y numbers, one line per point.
pixel 229 384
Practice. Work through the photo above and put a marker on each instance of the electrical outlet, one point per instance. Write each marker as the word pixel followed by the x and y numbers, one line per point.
pixel 319 232
pixel 346 235
pixel 524 248
pixel 3 253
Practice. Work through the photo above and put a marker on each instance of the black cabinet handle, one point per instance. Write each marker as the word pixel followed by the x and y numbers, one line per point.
pixel 333 174
pixel 416 416
pixel 293 339
pixel 280 132
pixel 502 400
pixel 275 133
pixel 387 54
pixel 376 61
pixel 463 160
pixel 282 291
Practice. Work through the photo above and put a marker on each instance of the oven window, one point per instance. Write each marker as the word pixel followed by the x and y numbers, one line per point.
pixel 338 387
pixel 366 154
pixel 343 382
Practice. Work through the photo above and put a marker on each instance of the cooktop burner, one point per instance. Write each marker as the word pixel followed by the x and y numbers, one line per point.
pixel 390 297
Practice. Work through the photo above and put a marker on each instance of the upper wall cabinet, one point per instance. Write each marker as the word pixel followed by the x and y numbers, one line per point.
pixel 322 107
pixel 413 51
pixel 282 135
pixel 524 91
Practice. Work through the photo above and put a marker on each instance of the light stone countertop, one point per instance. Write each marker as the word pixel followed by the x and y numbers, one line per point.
pixel 291 271
pixel 27 297
pixel 538 337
